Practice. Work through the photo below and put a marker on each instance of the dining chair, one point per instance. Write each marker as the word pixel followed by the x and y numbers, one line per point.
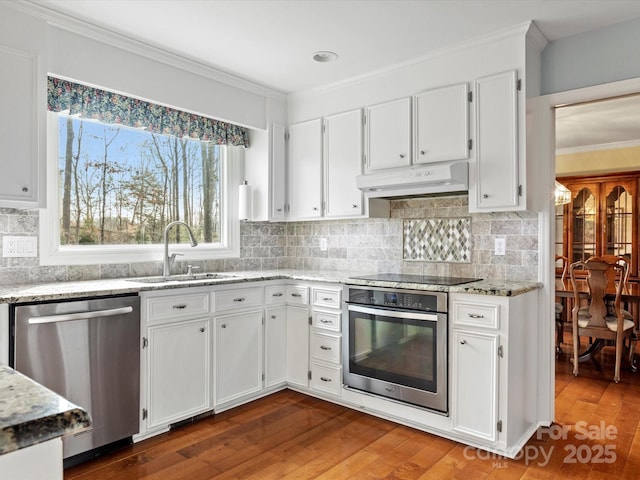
pixel 600 319
pixel 564 265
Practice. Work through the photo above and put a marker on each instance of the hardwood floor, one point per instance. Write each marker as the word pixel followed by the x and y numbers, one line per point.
pixel 292 436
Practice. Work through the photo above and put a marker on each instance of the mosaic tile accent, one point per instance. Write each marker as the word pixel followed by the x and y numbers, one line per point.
pixel 438 240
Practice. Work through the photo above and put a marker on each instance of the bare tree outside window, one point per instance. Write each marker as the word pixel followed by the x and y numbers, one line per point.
pixel 121 185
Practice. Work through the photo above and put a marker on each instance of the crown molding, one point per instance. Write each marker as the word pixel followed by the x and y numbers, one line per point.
pixel 138 47
pixel 598 147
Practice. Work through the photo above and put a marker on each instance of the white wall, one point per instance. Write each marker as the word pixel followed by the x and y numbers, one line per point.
pixel 592 58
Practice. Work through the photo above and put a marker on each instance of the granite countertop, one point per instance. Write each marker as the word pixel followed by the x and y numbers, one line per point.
pixel 32 414
pixel 62 290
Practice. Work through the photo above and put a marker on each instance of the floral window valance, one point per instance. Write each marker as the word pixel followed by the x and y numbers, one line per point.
pixel 113 108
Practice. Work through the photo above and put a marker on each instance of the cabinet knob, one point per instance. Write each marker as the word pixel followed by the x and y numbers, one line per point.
pixel 422 152
pixel 273 316
pixel 463 342
pixel 224 325
pixel 25 189
pixel 484 195
pixel 402 155
pixel 354 206
pixel 315 209
pixel 202 329
pixel 279 210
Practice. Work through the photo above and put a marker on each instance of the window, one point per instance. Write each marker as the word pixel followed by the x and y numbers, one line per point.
pixel 120 170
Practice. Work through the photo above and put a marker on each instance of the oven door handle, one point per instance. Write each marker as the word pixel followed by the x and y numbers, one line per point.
pixel 428 317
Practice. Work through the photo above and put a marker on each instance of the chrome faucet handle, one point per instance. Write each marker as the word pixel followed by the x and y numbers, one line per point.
pixel 173 256
pixel 191 268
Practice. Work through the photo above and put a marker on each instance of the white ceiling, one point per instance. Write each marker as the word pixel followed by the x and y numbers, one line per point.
pixel 271 42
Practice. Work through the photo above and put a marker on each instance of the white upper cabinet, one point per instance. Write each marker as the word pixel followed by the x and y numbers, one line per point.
pixel 441 124
pixel 22 129
pixel 494 175
pixel 305 170
pixel 343 162
pixel 389 135
pixel 278 189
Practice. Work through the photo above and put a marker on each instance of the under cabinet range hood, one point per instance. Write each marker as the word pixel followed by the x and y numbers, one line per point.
pixel 415 181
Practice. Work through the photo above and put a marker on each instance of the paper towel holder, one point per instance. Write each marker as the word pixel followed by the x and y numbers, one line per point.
pixel 244 202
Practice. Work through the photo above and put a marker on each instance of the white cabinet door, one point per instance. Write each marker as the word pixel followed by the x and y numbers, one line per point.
pixel 474 383
pixel 178 371
pixel 278 186
pixel 22 130
pixel 343 163
pixel 494 180
pixel 298 346
pixel 275 345
pixel 389 135
pixel 441 122
pixel 238 355
pixel 305 170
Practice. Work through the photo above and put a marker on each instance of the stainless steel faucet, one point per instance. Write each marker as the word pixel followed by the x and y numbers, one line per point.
pixel 168 260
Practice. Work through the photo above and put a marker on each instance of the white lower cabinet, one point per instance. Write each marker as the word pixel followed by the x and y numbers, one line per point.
pixel 298 346
pixel 474 387
pixel 238 355
pixel 494 369
pixel 175 357
pixel 179 359
pixel 275 346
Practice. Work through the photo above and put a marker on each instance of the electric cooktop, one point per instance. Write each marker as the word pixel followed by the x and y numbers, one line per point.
pixel 421 279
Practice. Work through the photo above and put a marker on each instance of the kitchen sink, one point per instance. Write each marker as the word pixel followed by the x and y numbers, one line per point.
pixel 181 278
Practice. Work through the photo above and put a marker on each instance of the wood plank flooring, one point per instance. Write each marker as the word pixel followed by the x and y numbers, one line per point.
pixel 293 436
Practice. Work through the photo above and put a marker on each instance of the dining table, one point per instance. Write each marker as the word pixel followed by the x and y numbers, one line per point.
pixel 629 300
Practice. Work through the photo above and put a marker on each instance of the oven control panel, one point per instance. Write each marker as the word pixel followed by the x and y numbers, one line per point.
pixel 424 301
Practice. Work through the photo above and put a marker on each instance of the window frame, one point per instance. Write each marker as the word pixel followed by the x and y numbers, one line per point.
pixel 52 253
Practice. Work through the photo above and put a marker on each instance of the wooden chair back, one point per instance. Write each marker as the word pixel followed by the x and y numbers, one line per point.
pixel 564 265
pixel 623 277
pixel 601 279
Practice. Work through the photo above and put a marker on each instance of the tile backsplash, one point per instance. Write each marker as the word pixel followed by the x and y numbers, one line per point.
pixel 358 246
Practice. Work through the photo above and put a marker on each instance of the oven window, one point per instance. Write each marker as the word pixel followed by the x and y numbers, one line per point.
pixel 400 351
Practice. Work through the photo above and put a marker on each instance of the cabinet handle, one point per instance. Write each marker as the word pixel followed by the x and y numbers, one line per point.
pixel 239 299
pixel 475 315
pixel 325 379
pixel 484 195
pixel 463 342
pixel 224 325
pixel 277 295
pixel 181 306
pixel 296 294
pixel 322 320
pixel 323 347
pixel 327 299
pixel 202 329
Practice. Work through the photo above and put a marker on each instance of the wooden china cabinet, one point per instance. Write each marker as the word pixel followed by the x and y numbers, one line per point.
pixel 601 219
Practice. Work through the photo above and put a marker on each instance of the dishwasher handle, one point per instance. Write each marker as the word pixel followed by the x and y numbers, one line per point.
pixel 66 317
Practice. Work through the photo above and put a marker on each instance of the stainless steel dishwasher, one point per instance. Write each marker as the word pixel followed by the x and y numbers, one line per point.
pixel 88 351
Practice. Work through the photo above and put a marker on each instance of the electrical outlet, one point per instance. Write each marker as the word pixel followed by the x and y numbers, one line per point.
pixel 500 247
pixel 22 246
pixel 323 244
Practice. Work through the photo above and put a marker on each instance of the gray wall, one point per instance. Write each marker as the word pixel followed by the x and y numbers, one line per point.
pixel 592 58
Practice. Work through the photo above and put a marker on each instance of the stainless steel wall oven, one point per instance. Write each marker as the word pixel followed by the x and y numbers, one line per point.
pixel 395 344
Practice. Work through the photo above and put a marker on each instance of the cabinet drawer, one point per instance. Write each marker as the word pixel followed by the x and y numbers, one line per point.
pixel 177 306
pixel 275 294
pixel 325 347
pixel 297 295
pixel 326 378
pixel 476 314
pixel 326 320
pixel 239 298
pixel 326 297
